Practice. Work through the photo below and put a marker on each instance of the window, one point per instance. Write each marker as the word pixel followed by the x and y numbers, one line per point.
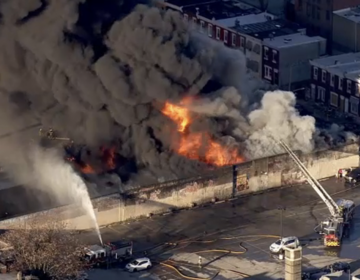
pixel 210 30
pixel 226 34
pixel 354 105
pixel 341 81
pixel 321 94
pixel 268 73
pixel 274 56
pixel 217 33
pixel 256 49
pixel 316 71
pixel 186 17
pixel 323 76
pixel 276 77
pixel 348 86
pixel 313 91
pixel 202 26
pixel 332 80
pixel 233 39
pixel 327 15
pixel 334 99
pixel 242 42
pixel 249 45
pixel 266 53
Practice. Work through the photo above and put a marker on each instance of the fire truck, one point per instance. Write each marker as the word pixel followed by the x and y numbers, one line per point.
pixel 341 212
pixel 109 253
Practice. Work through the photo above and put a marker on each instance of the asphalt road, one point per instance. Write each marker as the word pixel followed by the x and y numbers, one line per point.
pixel 225 223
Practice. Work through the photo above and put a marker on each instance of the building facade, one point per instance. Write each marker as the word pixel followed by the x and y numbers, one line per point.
pixel 335 82
pixel 349 20
pixel 286 59
pixel 317 15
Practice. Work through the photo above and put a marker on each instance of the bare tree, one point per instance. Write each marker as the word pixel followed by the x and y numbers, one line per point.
pixel 45 248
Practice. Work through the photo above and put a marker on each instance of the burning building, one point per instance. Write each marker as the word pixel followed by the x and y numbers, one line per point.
pixel 132 86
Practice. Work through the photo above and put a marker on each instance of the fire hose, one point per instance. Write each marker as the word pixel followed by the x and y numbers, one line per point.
pixel 187 241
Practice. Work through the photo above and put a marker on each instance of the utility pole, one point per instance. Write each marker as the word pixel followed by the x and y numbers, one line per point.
pixel 282 209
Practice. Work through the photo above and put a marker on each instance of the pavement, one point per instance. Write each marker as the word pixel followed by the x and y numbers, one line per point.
pixel 248 224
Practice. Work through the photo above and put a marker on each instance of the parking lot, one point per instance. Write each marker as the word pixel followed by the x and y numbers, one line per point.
pixel 233 238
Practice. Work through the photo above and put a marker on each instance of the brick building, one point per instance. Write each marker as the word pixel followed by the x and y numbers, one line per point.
pixel 346 19
pixel 335 82
pixel 286 59
pixel 317 15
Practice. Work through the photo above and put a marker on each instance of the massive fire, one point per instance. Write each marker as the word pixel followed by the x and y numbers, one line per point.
pixel 198 146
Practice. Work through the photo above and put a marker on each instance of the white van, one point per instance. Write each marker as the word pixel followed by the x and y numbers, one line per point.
pixel 278 245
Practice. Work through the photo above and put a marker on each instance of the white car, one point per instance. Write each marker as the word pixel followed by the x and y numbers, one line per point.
pixel 138 265
pixel 278 245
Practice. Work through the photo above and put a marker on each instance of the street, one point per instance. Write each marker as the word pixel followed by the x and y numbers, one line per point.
pixel 246 226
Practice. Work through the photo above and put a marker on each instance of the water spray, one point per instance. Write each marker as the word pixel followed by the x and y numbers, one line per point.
pixel 52 173
pixel 84 197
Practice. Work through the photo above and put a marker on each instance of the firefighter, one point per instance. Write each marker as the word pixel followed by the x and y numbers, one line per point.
pixel 51 133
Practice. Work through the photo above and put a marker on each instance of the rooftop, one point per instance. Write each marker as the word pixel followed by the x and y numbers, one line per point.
pixel 352 14
pixel 185 3
pixel 347 65
pixel 95 248
pixel 270 28
pixel 291 40
pixel 218 10
pixel 246 19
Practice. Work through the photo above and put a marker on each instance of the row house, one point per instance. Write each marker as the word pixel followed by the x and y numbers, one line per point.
pixel 335 82
pixel 243 27
pixel 222 21
pixel 349 20
pixel 257 34
pixel 318 16
pixel 286 59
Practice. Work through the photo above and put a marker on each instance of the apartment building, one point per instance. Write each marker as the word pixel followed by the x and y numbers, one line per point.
pixel 286 59
pixel 335 82
pixel 317 15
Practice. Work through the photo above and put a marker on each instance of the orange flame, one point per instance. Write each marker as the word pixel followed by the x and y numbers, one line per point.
pixel 86 169
pixel 109 157
pixel 198 146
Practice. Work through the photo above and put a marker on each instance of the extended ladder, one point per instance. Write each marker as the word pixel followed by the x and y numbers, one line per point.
pixel 330 203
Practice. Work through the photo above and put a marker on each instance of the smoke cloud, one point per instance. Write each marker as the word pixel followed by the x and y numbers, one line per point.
pixel 97 71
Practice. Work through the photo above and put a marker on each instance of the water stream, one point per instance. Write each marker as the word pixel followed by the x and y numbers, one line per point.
pixel 82 195
pixel 53 174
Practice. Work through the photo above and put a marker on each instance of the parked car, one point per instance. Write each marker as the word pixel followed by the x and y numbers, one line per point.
pixel 279 245
pixel 339 266
pixel 352 177
pixel 138 265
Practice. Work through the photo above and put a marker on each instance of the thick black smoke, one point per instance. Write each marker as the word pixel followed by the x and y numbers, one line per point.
pixel 100 70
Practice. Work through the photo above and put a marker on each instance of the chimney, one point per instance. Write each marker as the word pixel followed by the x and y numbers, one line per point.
pixel 237 23
pixel 197 11
pixel 336 62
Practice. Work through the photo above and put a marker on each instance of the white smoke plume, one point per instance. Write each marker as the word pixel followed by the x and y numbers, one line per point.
pixel 99 70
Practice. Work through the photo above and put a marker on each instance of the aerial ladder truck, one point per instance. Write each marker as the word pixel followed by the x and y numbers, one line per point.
pixel 341 212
